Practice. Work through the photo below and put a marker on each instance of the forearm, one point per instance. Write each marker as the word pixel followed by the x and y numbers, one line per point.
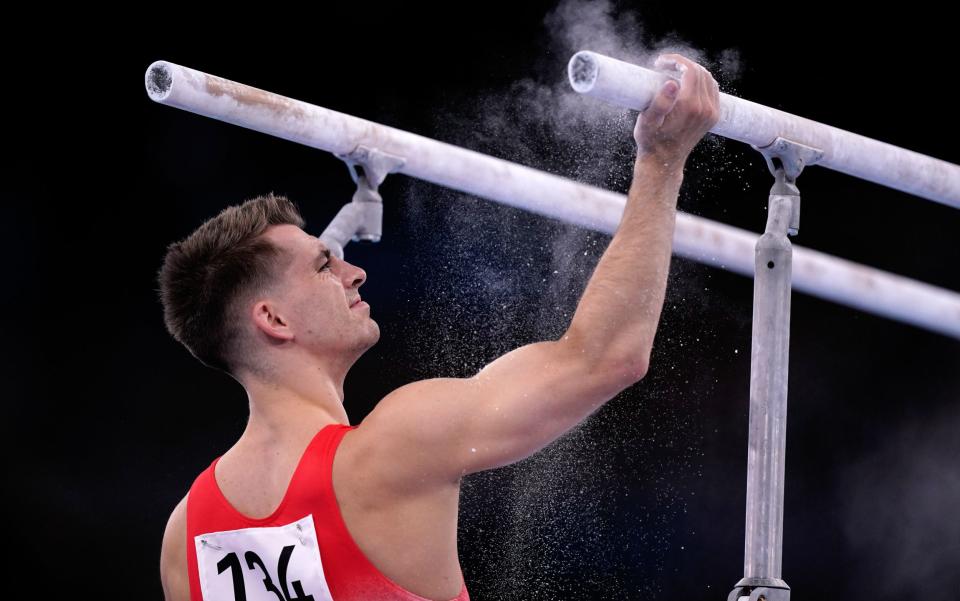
pixel 618 313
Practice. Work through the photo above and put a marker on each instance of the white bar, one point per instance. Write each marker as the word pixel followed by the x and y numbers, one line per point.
pixel 695 238
pixel 828 277
pixel 631 86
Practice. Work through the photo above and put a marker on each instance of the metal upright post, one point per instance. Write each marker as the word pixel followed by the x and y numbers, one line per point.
pixel 769 363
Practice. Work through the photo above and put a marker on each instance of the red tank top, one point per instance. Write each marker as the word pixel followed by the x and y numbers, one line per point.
pixel 301 552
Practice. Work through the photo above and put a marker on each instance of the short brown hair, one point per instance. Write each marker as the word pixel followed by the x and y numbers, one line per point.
pixel 204 275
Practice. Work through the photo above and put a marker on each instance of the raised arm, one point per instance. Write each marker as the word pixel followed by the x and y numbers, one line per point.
pixel 438 430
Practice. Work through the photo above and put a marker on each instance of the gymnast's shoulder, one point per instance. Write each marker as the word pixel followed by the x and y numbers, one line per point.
pixel 173 555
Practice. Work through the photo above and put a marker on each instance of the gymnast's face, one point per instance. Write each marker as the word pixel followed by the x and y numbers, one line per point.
pixel 318 295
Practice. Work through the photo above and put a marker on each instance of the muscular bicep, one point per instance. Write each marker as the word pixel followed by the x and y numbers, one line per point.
pixel 439 430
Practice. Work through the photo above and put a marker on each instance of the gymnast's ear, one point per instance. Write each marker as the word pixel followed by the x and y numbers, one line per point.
pixel 269 322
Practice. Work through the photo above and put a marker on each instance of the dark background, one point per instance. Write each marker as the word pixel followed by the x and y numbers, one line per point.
pixel 109 420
